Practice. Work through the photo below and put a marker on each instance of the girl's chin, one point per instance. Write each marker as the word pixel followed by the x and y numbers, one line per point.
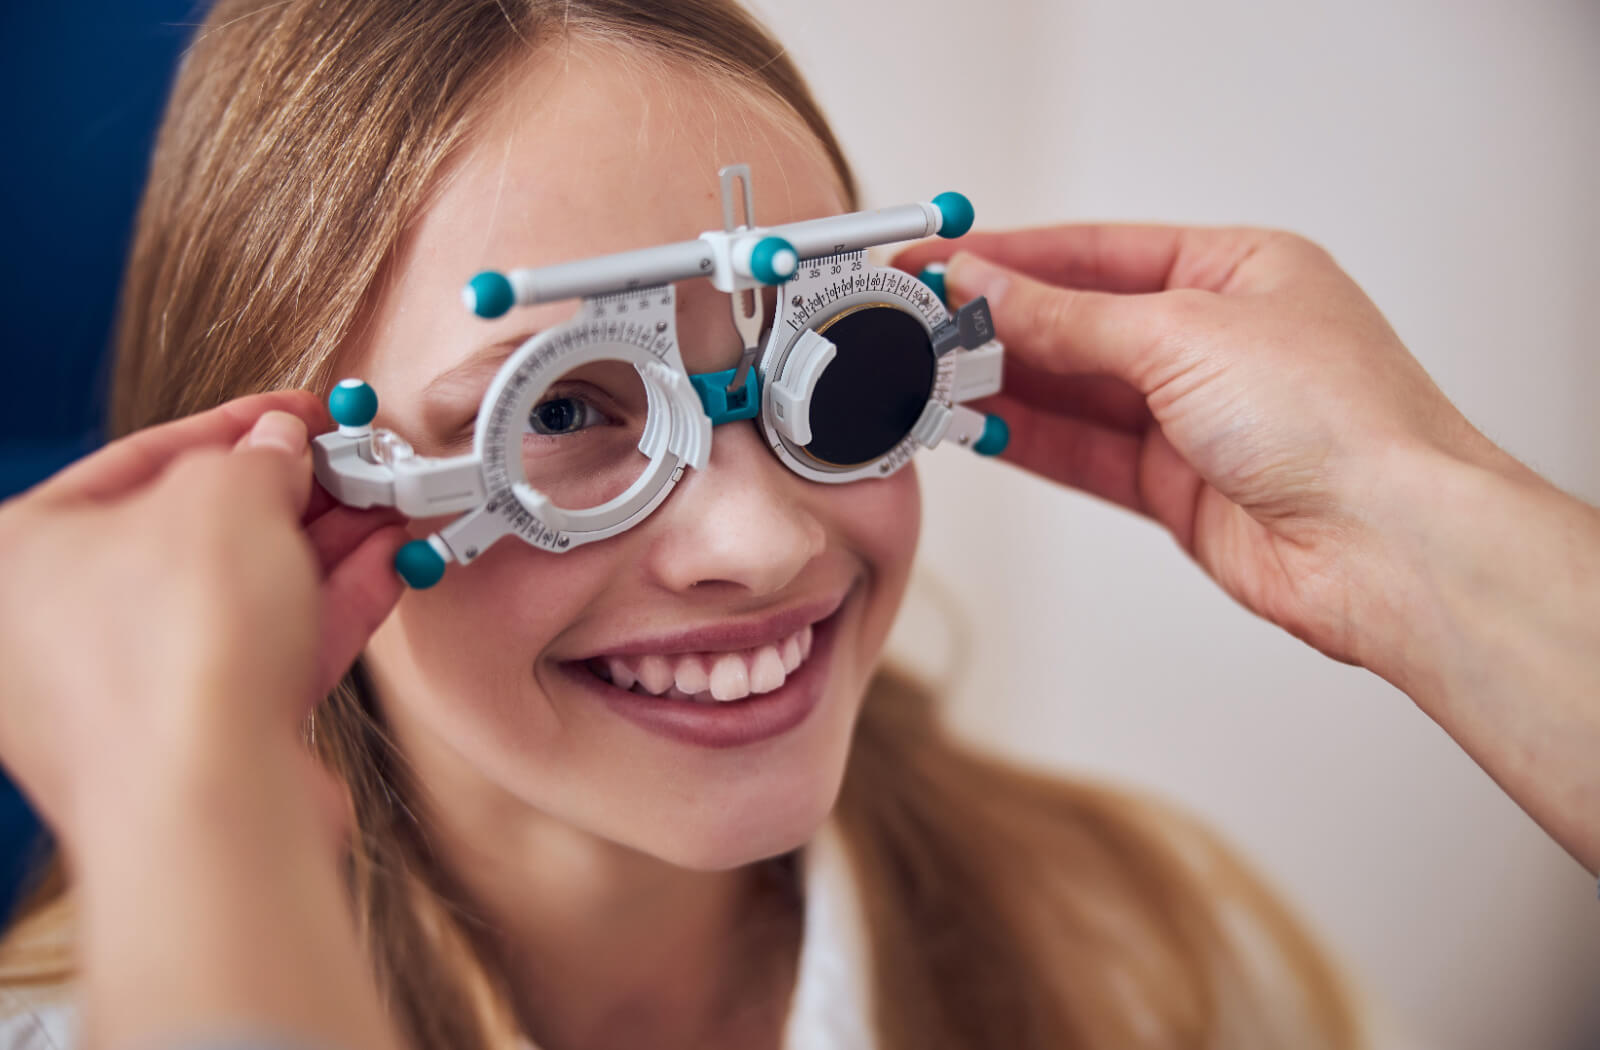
pixel 774 810
pixel 726 851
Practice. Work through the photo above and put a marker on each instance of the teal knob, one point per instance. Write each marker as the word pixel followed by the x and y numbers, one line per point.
pixel 489 294
pixel 932 275
pixel 352 403
pixel 773 260
pixel 419 565
pixel 957 213
pixel 996 436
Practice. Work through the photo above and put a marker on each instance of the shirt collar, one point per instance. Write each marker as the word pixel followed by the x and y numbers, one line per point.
pixel 832 1004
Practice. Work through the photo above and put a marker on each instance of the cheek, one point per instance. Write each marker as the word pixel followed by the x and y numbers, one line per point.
pixel 886 520
pixel 881 521
pixel 466 649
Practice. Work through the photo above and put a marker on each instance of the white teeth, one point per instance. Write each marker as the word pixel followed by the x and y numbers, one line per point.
pixel 710 677
pixel 730 679
pixel 691 675
pixel 766 670
pixel 655 674
pixel 621 677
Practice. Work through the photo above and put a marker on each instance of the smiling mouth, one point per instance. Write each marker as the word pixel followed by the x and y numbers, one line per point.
pixel 708 677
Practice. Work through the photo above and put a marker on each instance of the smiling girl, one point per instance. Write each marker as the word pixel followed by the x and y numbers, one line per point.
pixel 555 840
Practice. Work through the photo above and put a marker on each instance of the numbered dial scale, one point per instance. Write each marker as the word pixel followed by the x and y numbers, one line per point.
pixel 587 426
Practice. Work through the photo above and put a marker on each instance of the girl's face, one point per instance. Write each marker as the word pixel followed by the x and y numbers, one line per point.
pixel 488 680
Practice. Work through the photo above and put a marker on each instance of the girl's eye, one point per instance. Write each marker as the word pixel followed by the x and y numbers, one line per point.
pixel 556 416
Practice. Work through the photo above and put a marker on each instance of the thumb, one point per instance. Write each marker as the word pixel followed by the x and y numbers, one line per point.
pixel 1065 331
pixel 289 469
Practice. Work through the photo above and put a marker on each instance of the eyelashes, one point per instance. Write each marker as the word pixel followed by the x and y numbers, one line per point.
pixel 565 410
pixel 564 414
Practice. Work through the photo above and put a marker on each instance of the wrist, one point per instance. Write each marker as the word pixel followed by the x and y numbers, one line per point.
pixel 1420 504
pixel 203 803
pixel 219 905
pixel 1478 559
pixel 1489 602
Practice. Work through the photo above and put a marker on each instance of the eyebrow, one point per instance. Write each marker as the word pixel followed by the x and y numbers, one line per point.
pixel 465 381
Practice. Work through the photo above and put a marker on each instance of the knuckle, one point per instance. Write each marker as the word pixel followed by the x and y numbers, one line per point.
pixel 1182 310
pixel 1300 247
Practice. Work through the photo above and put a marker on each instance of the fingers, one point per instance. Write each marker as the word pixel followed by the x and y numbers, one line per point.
pixel 1106 257
pixel 1064 331
pixel 356 597
pixel 1101 400
pixel 1131 259
pixel 132 461
pixel 258 487
pixel 277 452
pixel 320 503
pixel 261 489
pixel 336 533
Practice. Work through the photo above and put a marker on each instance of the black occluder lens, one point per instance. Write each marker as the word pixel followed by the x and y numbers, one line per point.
pixel 876 387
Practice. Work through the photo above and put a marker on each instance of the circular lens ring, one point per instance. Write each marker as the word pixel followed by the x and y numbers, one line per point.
pixel 531 371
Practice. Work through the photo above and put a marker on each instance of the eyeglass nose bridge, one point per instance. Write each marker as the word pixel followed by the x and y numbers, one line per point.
pixel 725 401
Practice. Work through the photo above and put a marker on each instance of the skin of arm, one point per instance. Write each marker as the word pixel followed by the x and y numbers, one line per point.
pixel 1494 630
pixel 1238 387
pixel 221 913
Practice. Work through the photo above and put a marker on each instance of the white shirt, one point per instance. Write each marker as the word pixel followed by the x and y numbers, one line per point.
pixel 830 1010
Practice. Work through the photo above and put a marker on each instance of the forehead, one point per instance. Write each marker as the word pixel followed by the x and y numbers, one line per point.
pixel 587 150
pixel 607 150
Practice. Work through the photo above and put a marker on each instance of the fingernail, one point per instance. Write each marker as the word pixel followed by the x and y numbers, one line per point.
pixel 280 430
pixel 970 277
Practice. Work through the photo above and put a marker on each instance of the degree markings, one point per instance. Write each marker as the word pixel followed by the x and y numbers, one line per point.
pixel 644 334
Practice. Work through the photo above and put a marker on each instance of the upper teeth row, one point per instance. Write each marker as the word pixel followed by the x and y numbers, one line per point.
pixel 711 676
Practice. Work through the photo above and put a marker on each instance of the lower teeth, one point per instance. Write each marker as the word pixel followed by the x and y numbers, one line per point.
pixel 671 694
pixel 678 694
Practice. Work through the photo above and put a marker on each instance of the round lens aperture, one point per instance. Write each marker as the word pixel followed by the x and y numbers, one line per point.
pixel 580 440
pixel 876 387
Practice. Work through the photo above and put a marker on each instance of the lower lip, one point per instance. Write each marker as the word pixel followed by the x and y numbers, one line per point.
pixel 736 723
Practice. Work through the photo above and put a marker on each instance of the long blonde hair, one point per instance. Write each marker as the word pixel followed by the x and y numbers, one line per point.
pixel 1004 908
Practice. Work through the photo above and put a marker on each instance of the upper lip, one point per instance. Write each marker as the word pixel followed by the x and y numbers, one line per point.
pixel 730 636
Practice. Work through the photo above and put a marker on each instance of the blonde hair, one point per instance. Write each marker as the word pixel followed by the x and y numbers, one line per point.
pixel 1004 908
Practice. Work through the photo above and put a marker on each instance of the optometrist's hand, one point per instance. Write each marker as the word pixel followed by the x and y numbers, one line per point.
pixel 178 593
pixel 1238 387
pixel 173 606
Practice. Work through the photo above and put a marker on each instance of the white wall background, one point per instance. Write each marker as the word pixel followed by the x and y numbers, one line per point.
pixel 1448 153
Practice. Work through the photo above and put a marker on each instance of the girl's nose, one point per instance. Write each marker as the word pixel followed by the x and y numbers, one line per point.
pixel 741 521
